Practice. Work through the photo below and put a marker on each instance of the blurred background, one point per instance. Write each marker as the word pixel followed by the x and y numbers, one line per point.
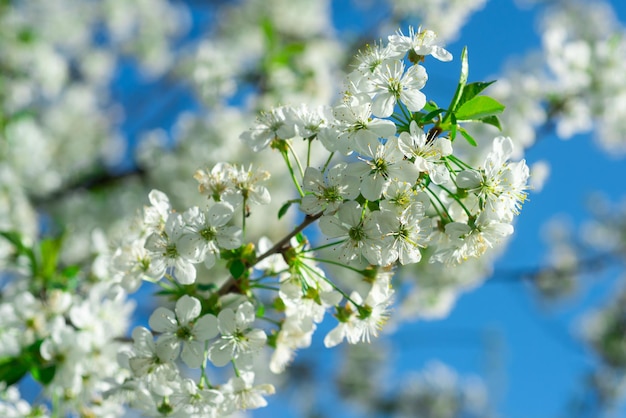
pixel 102 101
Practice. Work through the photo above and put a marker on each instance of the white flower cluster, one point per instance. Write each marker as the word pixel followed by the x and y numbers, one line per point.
pixel 402 191
pixel 157 385
pixel 75 335
pixel 383 206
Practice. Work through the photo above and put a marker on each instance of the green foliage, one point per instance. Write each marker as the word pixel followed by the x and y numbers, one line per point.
pixel 237 268
pixel 239 260
pixel 284 208
pixel 478 107
pixel 468 105
pixel 13 369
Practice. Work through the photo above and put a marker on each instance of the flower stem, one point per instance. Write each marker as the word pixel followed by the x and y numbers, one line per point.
pixel 321 247
pixel 434 195
pixel 335 263
pixel 330 282
pixel 455 197
pixel 291 173
pixel 295 157
pixel 330 157
pixel 308 153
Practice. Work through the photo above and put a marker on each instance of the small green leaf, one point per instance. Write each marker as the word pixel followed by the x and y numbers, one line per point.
pixel 20 248
pixel 50 249
pixel 468 137
pixel 284 208
pixel 165 292
pixel 13 237
pixel 206 287
pixel 478 108
pixel 43 374
pixel 472 90
pixel 237 269
pixel 70 271
pixel 492 120
pixel 12 369
pixel 430 106
pixel 430 116
pixel 270 33
pixel 260 311
pixel 461 86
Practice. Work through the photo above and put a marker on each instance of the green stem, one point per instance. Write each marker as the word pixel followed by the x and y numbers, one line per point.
pixel 308 153
pixel 398 119
pixel 263 286
pixel 459 163
pixel 235 369
pixel 265 276
pixel 404 112
pixel 330 157
pixel 243 219
pixel 204 379
pixel 321 247
pixel 455 197
pixel 433 194
pixel 330 282
pixel 291 173
pixel 335 263
pixel 172 280
pixel 295 157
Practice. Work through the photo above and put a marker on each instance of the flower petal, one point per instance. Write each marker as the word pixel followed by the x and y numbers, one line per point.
pixel 163 320
pixel 187 309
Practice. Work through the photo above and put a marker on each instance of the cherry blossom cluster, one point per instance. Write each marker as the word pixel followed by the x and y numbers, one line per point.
pixel 67 338
pixel 387 187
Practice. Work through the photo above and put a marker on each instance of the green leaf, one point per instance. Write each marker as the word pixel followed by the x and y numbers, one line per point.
pixel 270 33
pixel 206 287
pixel 50 249
pixel 260 311
pixel 165 292
pixel 430 116
pixel 13 237
pixel 492 120
pixel 468 137
pixel 12 369
pixel 16 239
pixel 472 90
pixel 461 86
pixel 478 108
pixel 70 272
pixel 43 374
pixel 430 106
pixel 237 269
pixel 284 208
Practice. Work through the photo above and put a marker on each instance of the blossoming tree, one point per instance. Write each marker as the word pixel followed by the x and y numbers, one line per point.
pixel 327 189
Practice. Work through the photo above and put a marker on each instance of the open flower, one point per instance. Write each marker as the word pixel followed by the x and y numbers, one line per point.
pixel 185 327
pixel 165 254
pixel 238 339
pixel 327 195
